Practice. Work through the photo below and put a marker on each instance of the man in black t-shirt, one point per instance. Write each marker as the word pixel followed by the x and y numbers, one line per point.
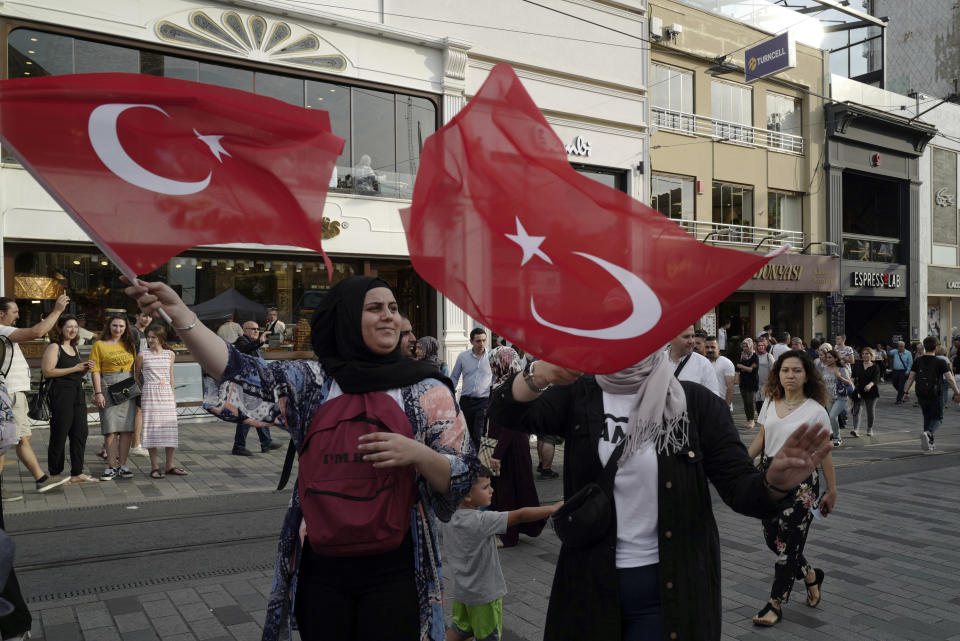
pixel 928 371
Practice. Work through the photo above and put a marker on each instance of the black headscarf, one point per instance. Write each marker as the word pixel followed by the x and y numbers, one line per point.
pixel 338 342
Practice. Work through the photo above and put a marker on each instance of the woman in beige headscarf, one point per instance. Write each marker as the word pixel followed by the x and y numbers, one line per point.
pixel 654 571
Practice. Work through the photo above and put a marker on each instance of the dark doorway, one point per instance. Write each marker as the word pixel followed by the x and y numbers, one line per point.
pixel 873 320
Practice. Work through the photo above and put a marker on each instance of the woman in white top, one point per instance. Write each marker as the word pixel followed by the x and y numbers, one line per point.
pixel 795 396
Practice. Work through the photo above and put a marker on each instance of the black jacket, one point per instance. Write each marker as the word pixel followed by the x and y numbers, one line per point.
pixel 584 601
pixel 863 376
pixel 245 345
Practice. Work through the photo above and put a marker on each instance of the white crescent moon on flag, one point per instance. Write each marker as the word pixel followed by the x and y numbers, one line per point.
pixel 102 128
pixel 644 317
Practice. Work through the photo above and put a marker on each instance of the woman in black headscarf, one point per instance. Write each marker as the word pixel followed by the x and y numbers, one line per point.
pixel 355 334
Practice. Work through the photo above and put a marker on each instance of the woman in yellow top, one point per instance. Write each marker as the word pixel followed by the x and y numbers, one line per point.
pixel 113 356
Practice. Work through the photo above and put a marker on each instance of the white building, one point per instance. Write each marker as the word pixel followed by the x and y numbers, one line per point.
pixel 390 73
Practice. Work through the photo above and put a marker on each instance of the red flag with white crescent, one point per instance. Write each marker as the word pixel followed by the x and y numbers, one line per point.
pixel 571 270
pixel 149 166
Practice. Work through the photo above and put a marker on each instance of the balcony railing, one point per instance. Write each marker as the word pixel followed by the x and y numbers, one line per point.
pixel 724 130
pixel 742 236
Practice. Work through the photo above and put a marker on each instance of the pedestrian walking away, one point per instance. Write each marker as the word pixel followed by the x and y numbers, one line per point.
pixel 866 384
pixel 64 369
pixel 795 396
pixel 391 591
pixel 928 372
pixel 154 371
pixel 653 572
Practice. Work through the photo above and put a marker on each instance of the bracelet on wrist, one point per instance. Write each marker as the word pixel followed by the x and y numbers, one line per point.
pixel 528 379
pixel 100 393
pixel 196 319
pixel 767 484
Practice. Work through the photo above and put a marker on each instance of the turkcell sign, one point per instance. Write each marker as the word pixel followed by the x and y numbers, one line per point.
pixel 770 57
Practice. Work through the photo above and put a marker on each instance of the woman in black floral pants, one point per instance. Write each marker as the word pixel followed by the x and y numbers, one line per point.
pixel 795 396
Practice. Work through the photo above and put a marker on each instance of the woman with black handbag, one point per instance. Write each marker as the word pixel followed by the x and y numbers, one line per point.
pixel 866 380
pixel 114 390
pixel 64 370
pixel 653 573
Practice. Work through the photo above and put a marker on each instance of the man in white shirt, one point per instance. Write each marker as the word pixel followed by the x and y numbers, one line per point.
pixel 722 335
pixel 782 346
pixel 723 369
pixel 17 383
pixel 276 328
pixel 230 331
pixel 692 366
pixel 847 354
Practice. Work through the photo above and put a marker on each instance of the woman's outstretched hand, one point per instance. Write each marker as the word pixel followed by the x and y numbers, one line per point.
pixel 799 456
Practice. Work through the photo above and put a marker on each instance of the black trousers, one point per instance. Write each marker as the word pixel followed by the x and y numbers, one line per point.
pixel 359 598
pixel 475 414
pixel 68 419
pixel 18 621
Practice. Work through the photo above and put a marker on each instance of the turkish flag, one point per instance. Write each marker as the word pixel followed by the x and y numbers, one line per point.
pixel 571 270
pixel 149 166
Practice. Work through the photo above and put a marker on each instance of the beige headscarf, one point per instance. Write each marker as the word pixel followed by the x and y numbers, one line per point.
pixel 659 410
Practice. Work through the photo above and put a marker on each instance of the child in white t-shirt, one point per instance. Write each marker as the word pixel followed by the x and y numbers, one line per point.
pixel 471 559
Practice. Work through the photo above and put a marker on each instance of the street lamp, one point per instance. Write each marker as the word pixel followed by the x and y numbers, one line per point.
pixel 779 234
pixel 828 243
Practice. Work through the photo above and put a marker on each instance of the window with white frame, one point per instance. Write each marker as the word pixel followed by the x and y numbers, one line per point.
pixel 732 111
pixel 784 211
pixel 671 91
pixel 784 122
pixel 732 204
pixel 672 196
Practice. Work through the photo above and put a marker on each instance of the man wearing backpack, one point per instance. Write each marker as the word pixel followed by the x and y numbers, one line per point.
pixel 928 371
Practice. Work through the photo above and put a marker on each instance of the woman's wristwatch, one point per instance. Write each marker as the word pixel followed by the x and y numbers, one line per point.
pixel 528 379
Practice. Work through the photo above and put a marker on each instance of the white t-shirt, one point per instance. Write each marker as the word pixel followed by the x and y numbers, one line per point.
pixel 777 430
pixel 723 368
pixel 18 380
pixel 778 349
pixel 634 488
pixel 697 370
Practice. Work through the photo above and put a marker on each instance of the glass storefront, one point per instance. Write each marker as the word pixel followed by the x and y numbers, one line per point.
pixel 293 283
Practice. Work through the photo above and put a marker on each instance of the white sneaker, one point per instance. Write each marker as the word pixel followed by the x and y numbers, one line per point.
pixel 139 451
pixel 870 432
pixel 925 441
pixel 855 433
pixel 108 474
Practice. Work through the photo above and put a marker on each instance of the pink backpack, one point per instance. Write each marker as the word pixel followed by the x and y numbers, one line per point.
pixel 352 508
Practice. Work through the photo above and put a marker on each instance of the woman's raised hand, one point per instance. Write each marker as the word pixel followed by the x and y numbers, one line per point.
pixel 799 456
pixel 545 373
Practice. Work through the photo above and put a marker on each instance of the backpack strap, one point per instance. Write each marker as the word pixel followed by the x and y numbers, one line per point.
pixel 680 366
pixel 287 466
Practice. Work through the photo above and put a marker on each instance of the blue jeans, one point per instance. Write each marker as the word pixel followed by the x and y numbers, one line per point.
pixel 839 405
pixel 640 606
pixel 240 436
pixel 932 409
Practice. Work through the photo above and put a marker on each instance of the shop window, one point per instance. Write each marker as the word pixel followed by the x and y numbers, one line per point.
pixel 732 111
pixel 384 131
pixel 783 117
pixel 615 178
pixel 671 92
pixel 784 211
pixel 732 205
pixel 673 196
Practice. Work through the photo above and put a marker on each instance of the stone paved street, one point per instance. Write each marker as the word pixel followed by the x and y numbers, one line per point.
pixel 892 569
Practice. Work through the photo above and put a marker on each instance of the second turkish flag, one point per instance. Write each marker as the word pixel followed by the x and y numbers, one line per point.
pixel 571 270
pixel 151 166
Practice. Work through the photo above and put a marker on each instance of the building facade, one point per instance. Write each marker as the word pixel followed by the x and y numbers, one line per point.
pixel 389 74
pixel 737 164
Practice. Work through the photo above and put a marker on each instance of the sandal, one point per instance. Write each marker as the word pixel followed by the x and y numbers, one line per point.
pixel 102 453
pixel 156 474
pixel 769 607
pixel 178 471
pixel 816 584
pixel 82 478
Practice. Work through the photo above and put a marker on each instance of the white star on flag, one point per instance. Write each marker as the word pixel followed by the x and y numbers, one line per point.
pixel 213 142
pixel 530 244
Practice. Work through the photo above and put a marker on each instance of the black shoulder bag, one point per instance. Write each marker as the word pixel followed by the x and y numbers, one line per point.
pixel 39 407
pixel 586 517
